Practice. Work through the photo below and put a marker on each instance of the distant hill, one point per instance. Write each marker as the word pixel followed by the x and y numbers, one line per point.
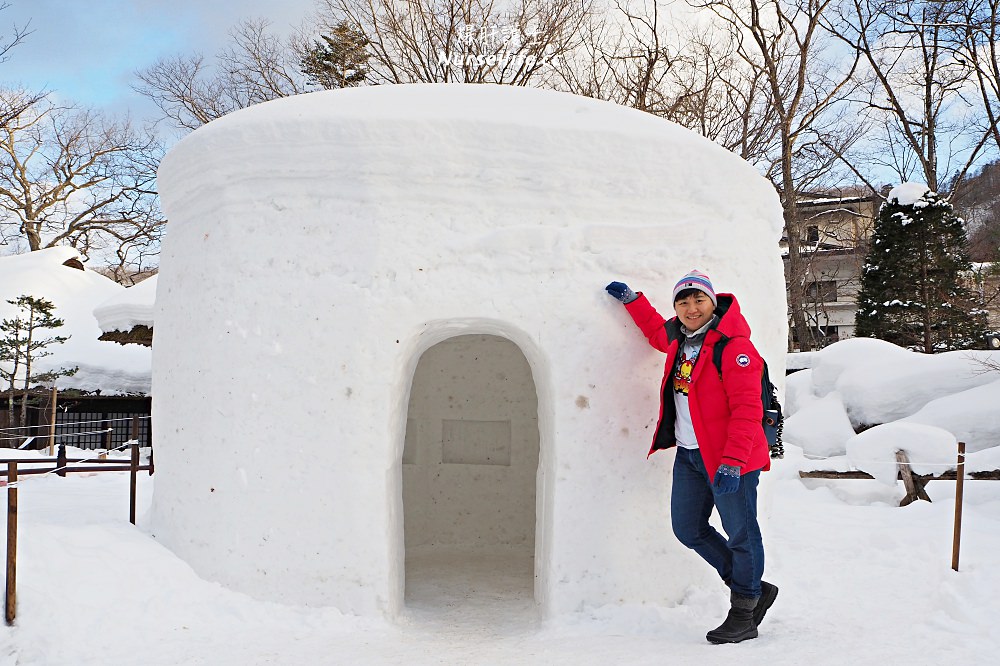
pixel 978 202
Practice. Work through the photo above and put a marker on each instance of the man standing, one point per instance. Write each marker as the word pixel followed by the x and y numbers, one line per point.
pixel 713 416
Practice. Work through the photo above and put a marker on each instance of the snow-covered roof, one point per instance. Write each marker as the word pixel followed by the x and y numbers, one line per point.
pixel 109 368
pixel 829 201
pixel 130 308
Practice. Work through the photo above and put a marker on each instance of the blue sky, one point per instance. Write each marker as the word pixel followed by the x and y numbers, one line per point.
pixel 87 51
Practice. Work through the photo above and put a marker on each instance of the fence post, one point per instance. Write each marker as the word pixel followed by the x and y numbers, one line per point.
pixel 11 597
pixel 959 489
pixel 914 486
pixel 61 461
pixel 149 435
pixel 52 422
pixel 134 474
pixel 106 435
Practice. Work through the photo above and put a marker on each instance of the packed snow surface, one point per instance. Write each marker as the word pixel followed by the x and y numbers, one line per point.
pixel 861 580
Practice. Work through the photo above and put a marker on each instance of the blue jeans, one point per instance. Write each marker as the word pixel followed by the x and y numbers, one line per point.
pixel 740 560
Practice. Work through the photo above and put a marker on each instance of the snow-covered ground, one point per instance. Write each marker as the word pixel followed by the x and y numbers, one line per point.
pixel 863 581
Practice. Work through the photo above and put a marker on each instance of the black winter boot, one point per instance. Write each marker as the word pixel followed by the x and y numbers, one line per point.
pixel 768 593
pixel 739 624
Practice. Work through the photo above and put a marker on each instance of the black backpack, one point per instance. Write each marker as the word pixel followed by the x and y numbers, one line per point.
pixel 774 420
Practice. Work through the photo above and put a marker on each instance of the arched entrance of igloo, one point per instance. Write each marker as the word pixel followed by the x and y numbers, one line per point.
pixel 470 464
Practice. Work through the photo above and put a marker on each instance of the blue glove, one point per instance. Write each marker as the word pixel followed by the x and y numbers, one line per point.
pixel 727 480
pixel 621 291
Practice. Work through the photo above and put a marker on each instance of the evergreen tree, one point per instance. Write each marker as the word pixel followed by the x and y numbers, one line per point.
pixel 22 343
pixel 340 60
pixel 912 292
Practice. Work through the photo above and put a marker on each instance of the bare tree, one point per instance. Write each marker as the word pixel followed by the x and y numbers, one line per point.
pixel 467 41
pixel 256 67
pixel 18 33
pixel 638 55
pixel 625 56
pixel 725 99
pixel 916 85
pixel 781 40
pixel 72 176
pixel 13 106
pixel 978 33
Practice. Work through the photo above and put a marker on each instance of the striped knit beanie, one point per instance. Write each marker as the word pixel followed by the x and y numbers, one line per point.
pixel 696 280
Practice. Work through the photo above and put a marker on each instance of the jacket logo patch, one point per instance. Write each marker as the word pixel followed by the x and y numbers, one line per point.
pixel 743 360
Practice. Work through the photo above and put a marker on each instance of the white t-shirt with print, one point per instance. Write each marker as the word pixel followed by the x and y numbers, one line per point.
pixel 681 384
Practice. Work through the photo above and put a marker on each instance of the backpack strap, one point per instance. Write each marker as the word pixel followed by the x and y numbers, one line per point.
pixel 720 346
pixel 773 420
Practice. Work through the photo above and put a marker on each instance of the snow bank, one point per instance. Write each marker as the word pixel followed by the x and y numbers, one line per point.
pixel 885 391
pixel 821 428
pixel 798 391
pixel 924 403
pixel 831 362
pixel 320 244
pixel 104 366
pixel 987 460
pixel 973 415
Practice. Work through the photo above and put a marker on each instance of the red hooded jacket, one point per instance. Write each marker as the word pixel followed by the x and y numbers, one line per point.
pixel 726 411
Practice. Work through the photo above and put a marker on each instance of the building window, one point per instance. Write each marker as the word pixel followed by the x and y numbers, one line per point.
pixel 821 291
pixel 812 234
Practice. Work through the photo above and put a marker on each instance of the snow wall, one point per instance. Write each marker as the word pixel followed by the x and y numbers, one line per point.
pixel 319 245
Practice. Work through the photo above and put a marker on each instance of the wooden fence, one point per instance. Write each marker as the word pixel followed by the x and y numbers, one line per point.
pixel 914 484
pixel 60 465
pixel 85 422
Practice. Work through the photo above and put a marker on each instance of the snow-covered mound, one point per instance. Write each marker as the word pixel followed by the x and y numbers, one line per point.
pixel 103 366
pixel 929 450
pixel 821 427
pixel 320 244
pixel 973 416
pixel 879 382
pixel 912 398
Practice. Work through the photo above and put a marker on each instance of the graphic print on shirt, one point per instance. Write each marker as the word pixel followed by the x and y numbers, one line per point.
pixel 682 376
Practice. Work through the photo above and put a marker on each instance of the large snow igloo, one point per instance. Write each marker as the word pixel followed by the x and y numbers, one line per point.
pixel 382 337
